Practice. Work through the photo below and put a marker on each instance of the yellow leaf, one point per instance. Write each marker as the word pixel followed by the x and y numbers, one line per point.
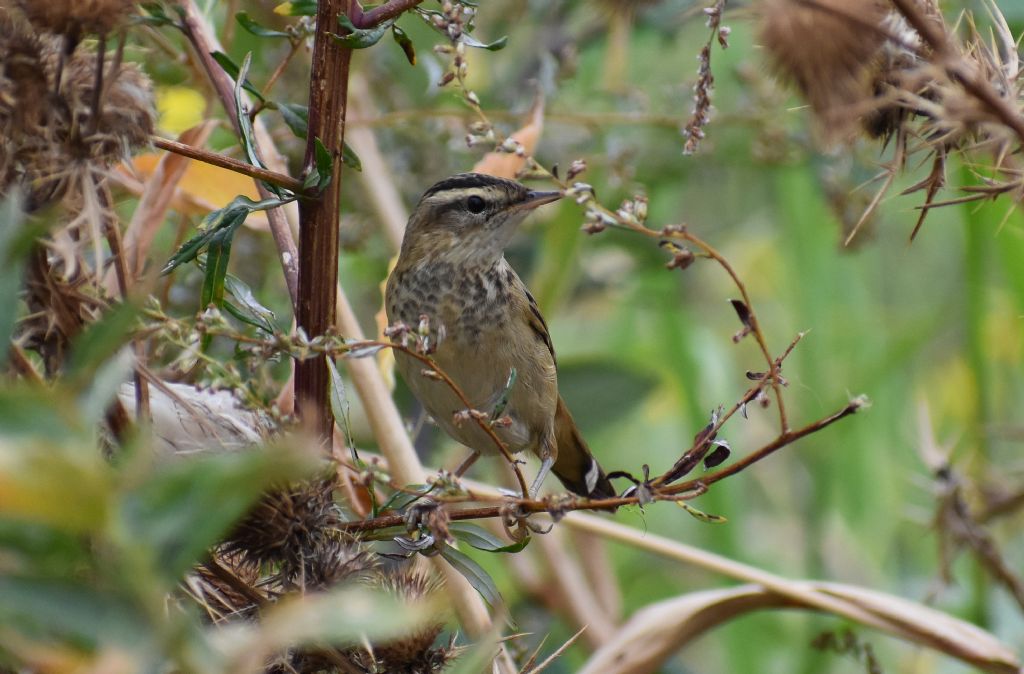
pixel 180 108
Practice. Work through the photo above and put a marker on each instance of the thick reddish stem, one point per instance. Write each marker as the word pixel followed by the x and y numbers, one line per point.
pixel 318 236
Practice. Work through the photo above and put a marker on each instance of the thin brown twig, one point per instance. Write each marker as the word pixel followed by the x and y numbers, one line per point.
pixel 378 15
pixel 675 492
pixel 229 163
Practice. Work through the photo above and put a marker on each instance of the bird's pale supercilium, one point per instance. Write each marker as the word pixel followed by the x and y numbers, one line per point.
pixel 483 324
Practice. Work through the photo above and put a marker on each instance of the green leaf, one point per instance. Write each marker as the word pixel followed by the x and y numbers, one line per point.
pixel 700 514
pixel 324 164
pixel 360 38
pixel 339 403
pixel 155 15
pixel 249 310
pixel 297 8
pixel 497 45
pixel 401 500
pixel 101 340
pixel 245 123
pixel 350 159
pixel 218 254
pixel 231 68
pixel 63 483
pixel 15 242
pixel 229 217
pixel 473 572
pixel 482 539
pixel 188 504
pixel 296 117
pixel 45 606
pixel 247 22
pixel 403 40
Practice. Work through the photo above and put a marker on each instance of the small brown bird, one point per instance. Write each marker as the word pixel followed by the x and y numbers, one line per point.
pixel 483 324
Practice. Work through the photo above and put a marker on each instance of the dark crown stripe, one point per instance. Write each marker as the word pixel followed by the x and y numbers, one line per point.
pixel 463 181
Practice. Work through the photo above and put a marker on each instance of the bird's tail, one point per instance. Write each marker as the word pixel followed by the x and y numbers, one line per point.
pixel 575 466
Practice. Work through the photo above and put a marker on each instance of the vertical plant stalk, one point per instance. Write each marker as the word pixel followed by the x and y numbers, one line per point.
pixel 318 230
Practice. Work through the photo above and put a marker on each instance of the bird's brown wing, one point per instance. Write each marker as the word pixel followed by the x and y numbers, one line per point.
pixel 575 465
pixel 539 325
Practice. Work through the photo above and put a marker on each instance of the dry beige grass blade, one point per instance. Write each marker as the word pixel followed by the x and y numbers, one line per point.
pixel 597 565
pixel 573 590
pixel 156 199
pixel 657 631
pixel 375 177
pixel 889 614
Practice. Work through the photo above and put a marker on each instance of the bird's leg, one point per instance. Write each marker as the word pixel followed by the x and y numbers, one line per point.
pixel 466 464
pixel 545 468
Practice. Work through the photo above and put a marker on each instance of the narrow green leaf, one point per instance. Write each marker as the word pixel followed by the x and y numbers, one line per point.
pixel 339 403
pixel 473 572
pixel 482 539
pixel 350 159
pixel 324 165
pixel 231 216
pixel 296 117
pixel 218 254
pixel 249 24
pixel 497 45
pixel 244 123
pixel 361 38
pixel 401 500
pixel 231 68
pixel 700 514
pixel 252 312
pixel 403 40
pixel 15 242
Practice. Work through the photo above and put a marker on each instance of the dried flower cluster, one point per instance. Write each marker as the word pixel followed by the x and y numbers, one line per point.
pixel 72 18
pixel 879 71
pixel 53 121
pixel 291 542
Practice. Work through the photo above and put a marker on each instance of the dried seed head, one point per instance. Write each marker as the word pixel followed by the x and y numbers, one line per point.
pixel 127 114
pixel 413 652
pixel 287 527
pixel 76 17
pixel 829 50
pixel 337 559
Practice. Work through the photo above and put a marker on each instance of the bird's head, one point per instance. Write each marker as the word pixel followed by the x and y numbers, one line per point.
pixel 469 218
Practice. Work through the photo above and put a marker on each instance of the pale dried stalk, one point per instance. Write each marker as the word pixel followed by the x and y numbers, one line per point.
pixel 572 587
pixel 892 615
pixel 375 177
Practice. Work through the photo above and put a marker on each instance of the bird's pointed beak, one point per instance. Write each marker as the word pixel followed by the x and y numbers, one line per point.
pixel 534 199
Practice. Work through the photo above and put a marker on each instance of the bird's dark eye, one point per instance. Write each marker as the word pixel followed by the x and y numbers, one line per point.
pixel 475 204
